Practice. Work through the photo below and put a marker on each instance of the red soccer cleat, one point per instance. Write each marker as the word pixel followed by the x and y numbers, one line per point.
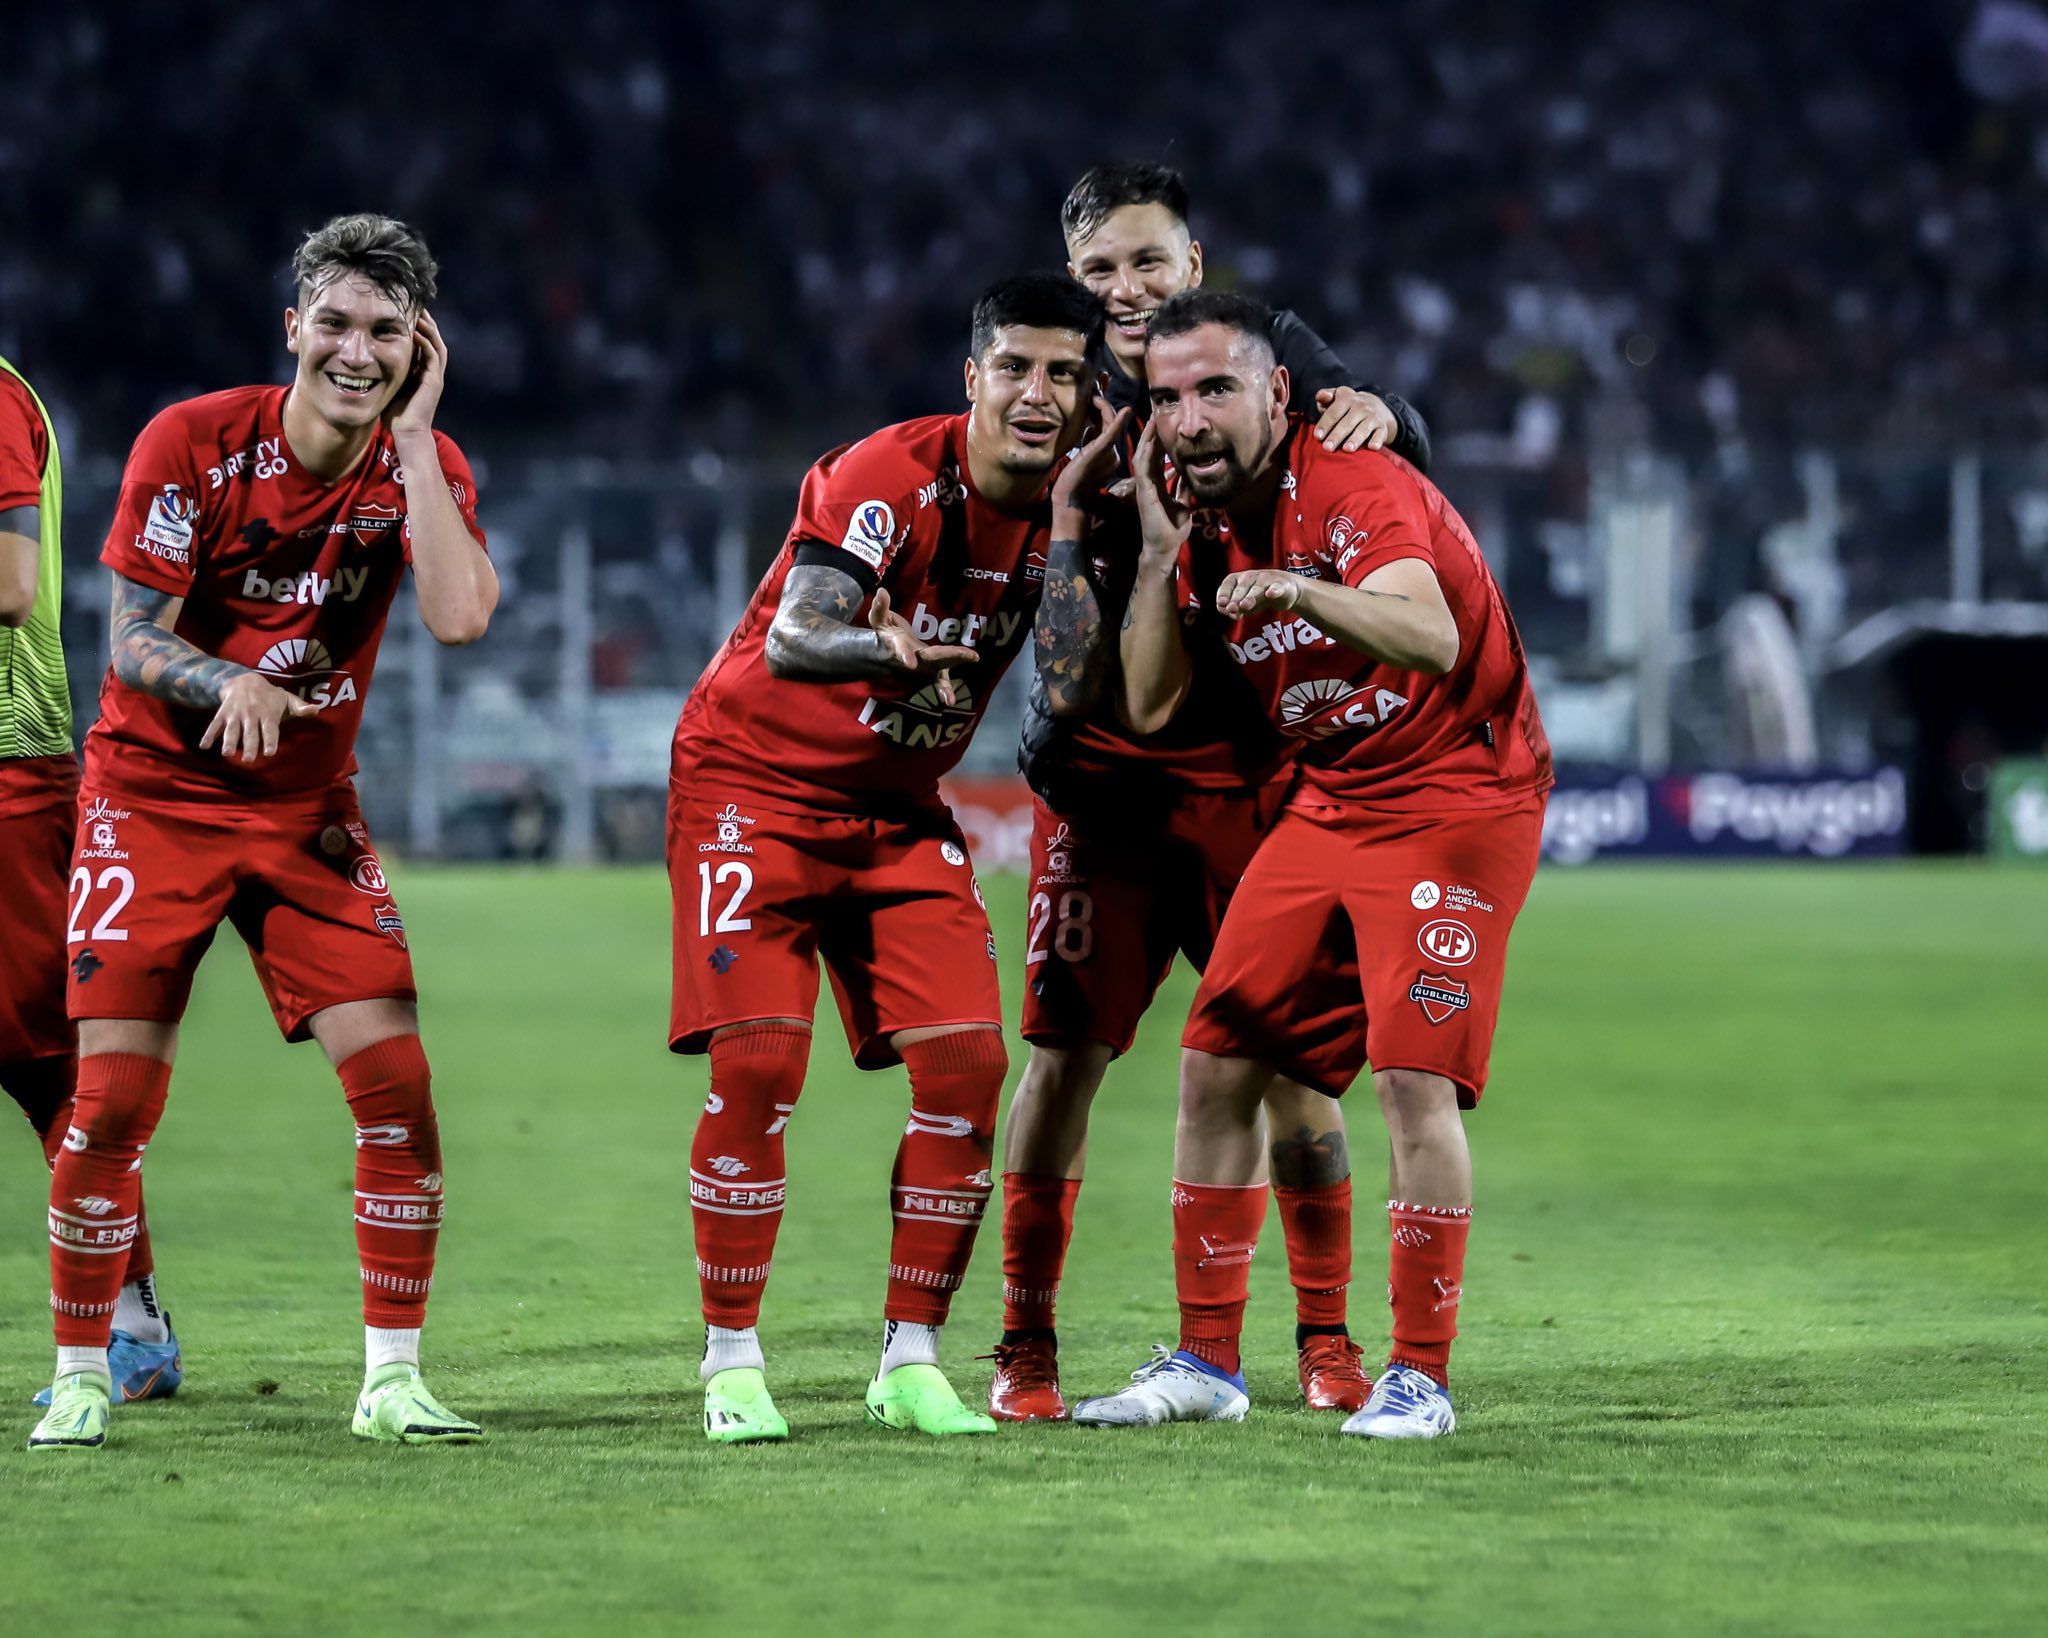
pixel 1026 1386
pixel 1331 1376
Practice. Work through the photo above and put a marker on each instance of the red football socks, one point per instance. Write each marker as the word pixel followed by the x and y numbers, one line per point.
pixel 1317 1223
pixel 738 1180
pixel 62 1080
pixel 398 1178
pixel 1215 1231
pixel 96 1190
pixel 1038 1220
pixel 941 1184
pixel 1424 1281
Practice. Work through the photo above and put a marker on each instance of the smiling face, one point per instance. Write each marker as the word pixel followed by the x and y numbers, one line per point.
pixel 1135 258
pixel 354 343
pixel 1028 392
pixel 1219 403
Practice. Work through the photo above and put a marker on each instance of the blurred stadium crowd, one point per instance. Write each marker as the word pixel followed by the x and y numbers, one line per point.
pixel 710 224
pixel 1765 282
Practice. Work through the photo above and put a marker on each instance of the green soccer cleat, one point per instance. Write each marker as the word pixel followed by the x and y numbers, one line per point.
pixel 77 1417
pixel 738 1411
pixel 920 1397
pixel 396 1409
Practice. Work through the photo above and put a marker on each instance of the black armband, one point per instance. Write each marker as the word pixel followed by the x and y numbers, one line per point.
pixel 815 554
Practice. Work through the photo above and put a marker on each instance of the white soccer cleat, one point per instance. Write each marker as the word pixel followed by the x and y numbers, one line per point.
pixel 1405 1404
pixel 1174 1387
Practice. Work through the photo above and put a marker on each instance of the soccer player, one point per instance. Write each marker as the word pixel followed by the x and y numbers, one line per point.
pixel 258 540
pixel 1373 922
pixel 1136 847
pixel 1128 240
pixel 804 822
pixel 38 796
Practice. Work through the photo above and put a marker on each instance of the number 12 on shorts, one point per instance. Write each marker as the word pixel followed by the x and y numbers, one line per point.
pixel 729 919
pixel 1073 938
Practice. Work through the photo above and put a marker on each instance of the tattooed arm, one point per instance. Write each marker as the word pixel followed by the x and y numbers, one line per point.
pixel 1070 636
pixel 1070 639
pixel 153 659
pixel 814 637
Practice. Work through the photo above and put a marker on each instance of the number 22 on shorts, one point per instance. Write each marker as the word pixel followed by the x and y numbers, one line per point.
pixel 729 919
pixel 119 880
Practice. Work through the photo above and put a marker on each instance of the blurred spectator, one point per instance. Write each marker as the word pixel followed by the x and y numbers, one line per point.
pixel 669 227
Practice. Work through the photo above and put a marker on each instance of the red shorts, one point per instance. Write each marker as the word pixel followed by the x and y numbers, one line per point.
pixel 1376 938
pixel 151 880
pixel 890 904
pixel 38 805
pixel 1118 887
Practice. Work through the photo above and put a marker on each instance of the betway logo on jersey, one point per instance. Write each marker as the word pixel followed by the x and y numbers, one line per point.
pixel 966 628
pixel 345 585
pixel 302 666
pixel 1279 637
pixel 1323 706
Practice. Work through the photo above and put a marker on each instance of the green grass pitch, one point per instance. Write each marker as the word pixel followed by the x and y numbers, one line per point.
pixel 1754 1336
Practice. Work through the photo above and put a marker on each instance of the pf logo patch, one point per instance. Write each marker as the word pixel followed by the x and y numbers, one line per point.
pixel 1439 996
pixel 1450 942
pixel 366 875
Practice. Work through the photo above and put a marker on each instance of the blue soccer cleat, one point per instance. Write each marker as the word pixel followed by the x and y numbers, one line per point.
pixel 1173 1387
pixel 141 1370
pixel 1405 1404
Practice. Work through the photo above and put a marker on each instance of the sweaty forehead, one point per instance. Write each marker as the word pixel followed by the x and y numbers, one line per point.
pixel 352 296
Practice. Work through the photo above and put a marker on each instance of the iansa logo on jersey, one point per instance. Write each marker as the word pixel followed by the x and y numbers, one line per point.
pixel 167 531
pixel 302 666
pixel 924 720
pixel 1323 706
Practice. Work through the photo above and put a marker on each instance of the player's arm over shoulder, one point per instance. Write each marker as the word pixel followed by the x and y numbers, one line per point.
pixel 1314 368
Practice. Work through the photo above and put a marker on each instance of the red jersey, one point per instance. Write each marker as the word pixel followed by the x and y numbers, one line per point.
pixel 1368 734
pixel 1221 740
pixel 24 446
pixel 897 510
pixel 280 571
